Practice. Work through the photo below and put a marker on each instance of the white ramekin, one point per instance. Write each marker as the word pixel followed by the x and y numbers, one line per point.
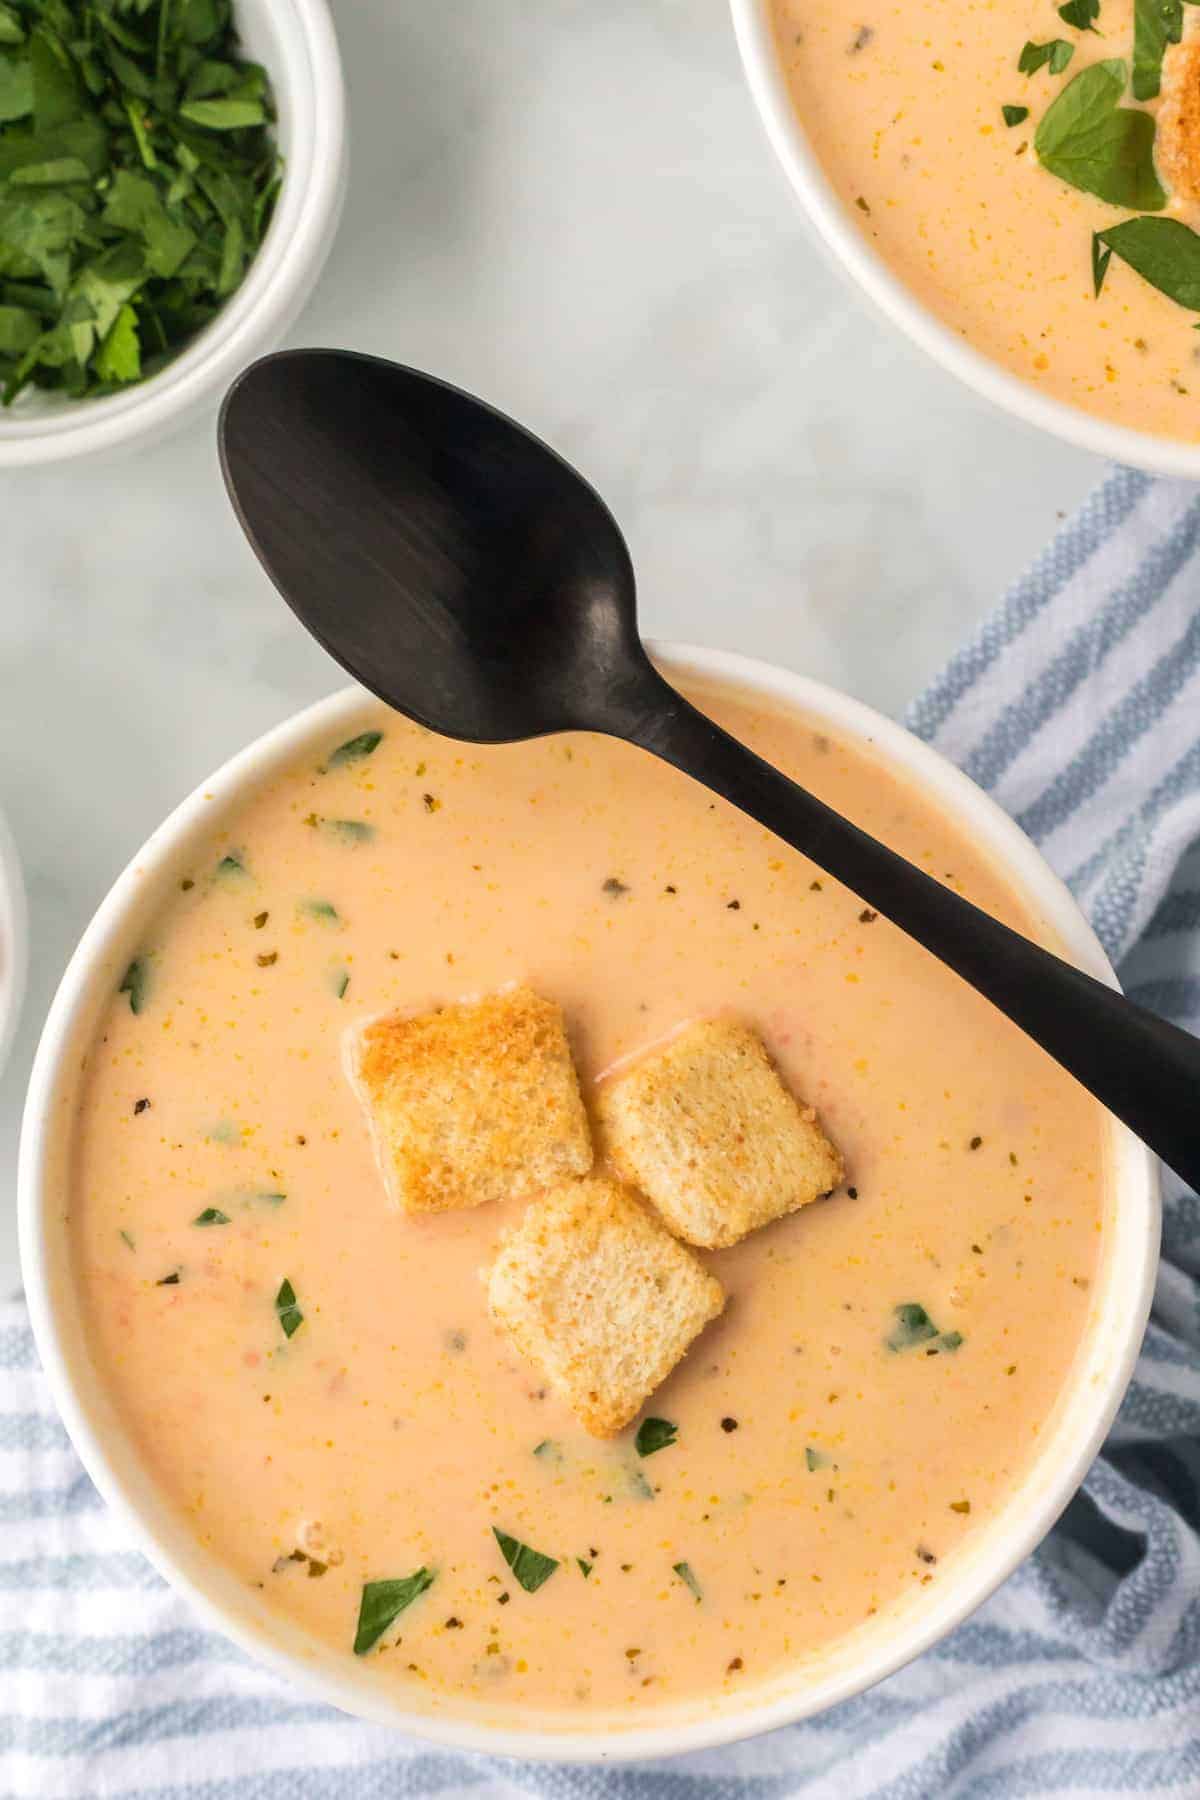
pixel 1121 1294
pixel 14 940
pixel 294 40
pixel 849 249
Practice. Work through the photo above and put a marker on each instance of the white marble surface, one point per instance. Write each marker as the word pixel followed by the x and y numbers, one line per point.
pixel 570 208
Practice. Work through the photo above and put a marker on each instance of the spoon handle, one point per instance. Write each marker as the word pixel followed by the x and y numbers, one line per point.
pixel 1144 1070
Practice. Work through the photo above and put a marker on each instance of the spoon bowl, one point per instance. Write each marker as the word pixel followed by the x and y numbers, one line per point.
pixel 460 569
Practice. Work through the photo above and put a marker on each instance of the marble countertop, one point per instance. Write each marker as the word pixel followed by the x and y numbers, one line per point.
pixel 571 209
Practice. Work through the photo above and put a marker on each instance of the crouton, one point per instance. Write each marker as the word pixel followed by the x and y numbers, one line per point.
pixel 1177 143
pixel 596 1293
pixel 705 1127
pixel 476 1102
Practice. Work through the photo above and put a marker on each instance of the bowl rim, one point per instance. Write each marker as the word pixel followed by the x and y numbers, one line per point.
pixel 862 265
pixel 1090 1398
pixel 14 940
pixel 275 286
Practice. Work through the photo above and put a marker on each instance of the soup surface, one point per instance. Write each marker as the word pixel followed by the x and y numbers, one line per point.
pixel 904 106
pixel 818 1476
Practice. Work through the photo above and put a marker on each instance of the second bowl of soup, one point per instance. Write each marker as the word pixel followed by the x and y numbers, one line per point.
pixel 341 1361
pixel 1019 190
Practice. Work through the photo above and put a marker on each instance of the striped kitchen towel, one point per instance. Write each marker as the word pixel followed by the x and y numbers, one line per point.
pixel 1078 705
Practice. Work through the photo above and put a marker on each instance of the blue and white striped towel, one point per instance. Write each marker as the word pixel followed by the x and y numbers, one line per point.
pixel 1079 706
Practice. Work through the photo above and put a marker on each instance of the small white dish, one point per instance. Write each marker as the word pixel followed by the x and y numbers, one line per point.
pixel 14 940
pixel 295 42
pixel 1069 1441
pixel 840 236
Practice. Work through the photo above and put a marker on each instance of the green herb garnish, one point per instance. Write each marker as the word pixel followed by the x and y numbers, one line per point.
pixel 548 1451
pixel 212 1215
pixel 585 1568
pixel 271 1199
pixel 639 1486
pixel 351 831
pixel 686 1575
pixel 355 748
pixel 135 982
pixel 1057 53
pixel 230 865
pixel 171 1280
pixel 1156 24
pixel 913 1326
pixel 322 910
pixel 1101 257
pixel 382 1603
pixel 653 1435
pixel 1164 252
pixel 288 1312
pixel 815 1459
pixel 1088 140
pixel 1082 14
pixel 950 1340
pixel 137 178
pixel 339 981
pixel 127 1240
pixel 1015 115
pixel 529 1567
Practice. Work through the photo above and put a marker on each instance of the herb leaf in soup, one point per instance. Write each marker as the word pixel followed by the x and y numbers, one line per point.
pixel 1015 115
pixel 1156 24
pixel 1082 14
pixel 1057 54
pixel 913 1326
pixel 529 1567
pixel 688 1578
pixel 1098 146
pixel 290 1316
pixel 382 1603
pixel 323 910
pixel 212 1215
pixel 135 982
pixel 1101 257
pixel 815 1459
pixel 231 866
pixel 355 749
pixel 350 831
pixel 585 1568
pixel 1164 252
pixel 654 1435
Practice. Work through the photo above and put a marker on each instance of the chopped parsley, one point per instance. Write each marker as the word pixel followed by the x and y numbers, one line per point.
pixel 322 910
pixel 687 1576
pixel 1057 54
pixel 1015 115
pixel 529 1567
pixel 137 178
pixel 1087 139
pixel 1081 14
pixel 382 1603
pixel 654 1435
pixel 135 982
pixel 585 1568
pixel 815 1459
pixel 212 1215
pixel 287 1310
pixel 355 749
pixel 913 1326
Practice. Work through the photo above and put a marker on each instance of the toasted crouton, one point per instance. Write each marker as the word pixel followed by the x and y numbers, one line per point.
pixel 598 1295
pixel 705 1127
pixel 1177 143
pixel 475 1102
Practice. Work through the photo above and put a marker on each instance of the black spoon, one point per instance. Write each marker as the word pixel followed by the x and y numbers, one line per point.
pixel 468 576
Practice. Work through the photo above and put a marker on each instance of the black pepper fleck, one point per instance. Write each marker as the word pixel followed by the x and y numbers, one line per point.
pixel 141 1106
pixel 729 1424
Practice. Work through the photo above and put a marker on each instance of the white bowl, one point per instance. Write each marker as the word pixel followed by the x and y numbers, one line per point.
pixel 1068 1443
pixel 14 945
pixel 841 237
pixel 294 40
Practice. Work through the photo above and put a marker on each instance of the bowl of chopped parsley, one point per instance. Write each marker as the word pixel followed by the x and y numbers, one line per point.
pixel 170 179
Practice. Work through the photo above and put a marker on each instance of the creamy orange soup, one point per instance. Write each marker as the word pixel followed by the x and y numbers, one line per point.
pixel 903 104
pixel 818 1476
